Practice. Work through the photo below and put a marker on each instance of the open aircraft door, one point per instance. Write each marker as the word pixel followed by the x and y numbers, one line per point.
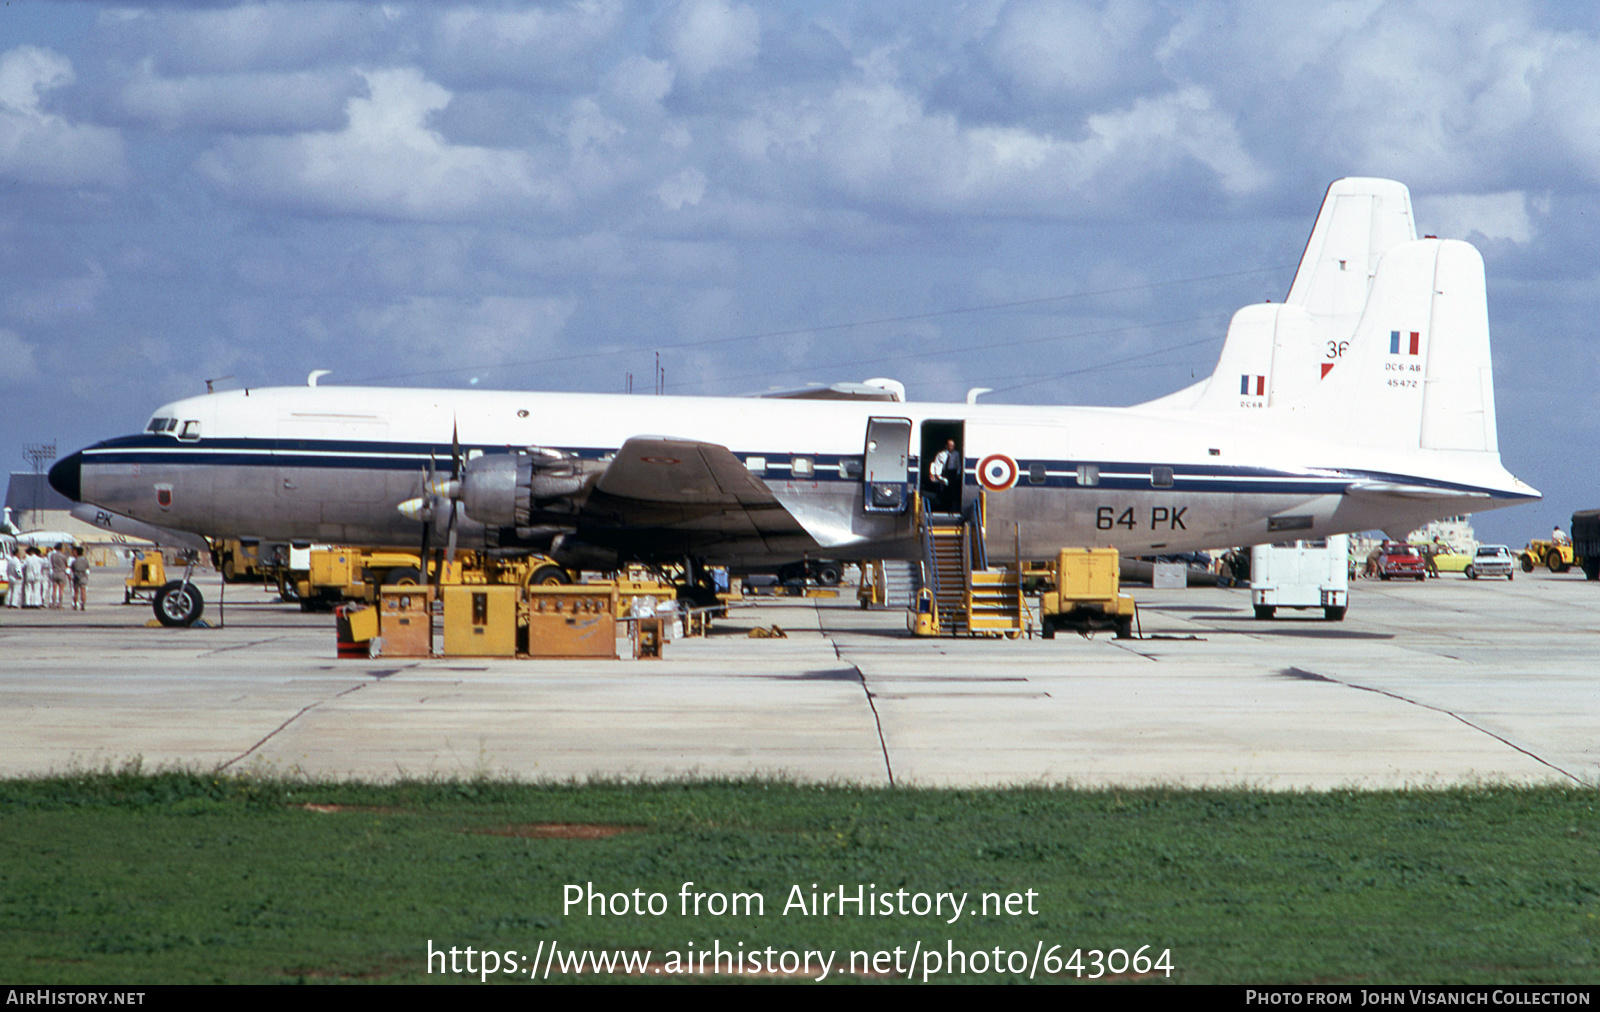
pixel 888 465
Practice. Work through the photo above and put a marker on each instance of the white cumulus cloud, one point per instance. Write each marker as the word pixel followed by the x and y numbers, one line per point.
pixel 37 146
pixel 685 187
pixel 708 35
pixel 879 140
pixel 265 101
pixel 21 366
pixel 386 162
pixel 1491 215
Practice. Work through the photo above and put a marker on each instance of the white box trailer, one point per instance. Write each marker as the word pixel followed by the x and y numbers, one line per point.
pixel 1301 574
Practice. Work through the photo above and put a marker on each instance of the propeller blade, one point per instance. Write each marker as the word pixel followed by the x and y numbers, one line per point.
pixel 450 537
pixel 426 512
pixel 455 451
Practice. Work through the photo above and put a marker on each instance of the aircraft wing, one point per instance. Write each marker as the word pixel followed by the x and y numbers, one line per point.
pixel 699 489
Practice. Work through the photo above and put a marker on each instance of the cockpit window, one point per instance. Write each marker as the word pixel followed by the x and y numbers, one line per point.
pixel 191 429
pixel 161 425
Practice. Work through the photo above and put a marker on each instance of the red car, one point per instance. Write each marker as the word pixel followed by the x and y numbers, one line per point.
pixel 1395 559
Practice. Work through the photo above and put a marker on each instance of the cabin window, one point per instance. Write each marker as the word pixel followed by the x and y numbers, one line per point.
pixel 1088 474
pixel 801 467
pixel 191 429
pixel 1036 473
pixel 1161 477
pixel 756 465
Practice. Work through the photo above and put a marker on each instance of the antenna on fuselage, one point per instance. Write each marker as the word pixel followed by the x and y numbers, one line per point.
pixel 316 374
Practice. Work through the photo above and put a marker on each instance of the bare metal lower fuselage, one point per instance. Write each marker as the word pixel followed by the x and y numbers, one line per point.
pixel 343 460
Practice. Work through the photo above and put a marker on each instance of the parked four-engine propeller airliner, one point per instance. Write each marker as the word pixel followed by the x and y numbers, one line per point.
pixel 1363 401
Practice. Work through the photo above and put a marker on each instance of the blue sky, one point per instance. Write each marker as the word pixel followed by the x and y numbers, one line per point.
pixel 1062 201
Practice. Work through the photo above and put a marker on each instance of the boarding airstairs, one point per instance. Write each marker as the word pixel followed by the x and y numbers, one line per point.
pixel 901 581
pixel 971 599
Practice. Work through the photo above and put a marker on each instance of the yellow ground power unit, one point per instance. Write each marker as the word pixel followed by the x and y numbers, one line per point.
pixel 579 620
pixel 480 621
pixel 405 620
pixel 1087 595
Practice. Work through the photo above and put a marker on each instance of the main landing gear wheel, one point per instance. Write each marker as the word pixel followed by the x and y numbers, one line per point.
pixel 179 604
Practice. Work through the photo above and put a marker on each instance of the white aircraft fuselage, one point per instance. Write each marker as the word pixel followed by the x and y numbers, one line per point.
pixel 340 461
pixel 1364 401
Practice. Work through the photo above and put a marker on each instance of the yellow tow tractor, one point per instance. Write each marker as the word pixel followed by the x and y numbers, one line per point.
pixel 338 574
pixel 237 561
pixel 148 577
pixel 1554 557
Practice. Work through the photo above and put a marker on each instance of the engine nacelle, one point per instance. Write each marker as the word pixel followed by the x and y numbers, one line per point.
pixel 507 489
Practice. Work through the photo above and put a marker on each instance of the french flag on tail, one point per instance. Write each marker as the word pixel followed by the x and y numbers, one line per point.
pixel 1398 343
pixel 1256 385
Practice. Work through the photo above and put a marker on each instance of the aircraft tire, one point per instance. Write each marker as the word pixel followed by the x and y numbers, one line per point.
pixel 1334 613
pixel 549 576
pixel 179 604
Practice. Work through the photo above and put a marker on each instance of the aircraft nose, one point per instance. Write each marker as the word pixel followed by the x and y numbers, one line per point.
pixel 66 476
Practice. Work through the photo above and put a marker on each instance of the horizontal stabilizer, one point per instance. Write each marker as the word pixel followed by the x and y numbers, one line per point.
pixel 1395 490
pixel 127 527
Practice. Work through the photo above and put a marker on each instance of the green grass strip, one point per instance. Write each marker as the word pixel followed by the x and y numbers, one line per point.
pixel 127 877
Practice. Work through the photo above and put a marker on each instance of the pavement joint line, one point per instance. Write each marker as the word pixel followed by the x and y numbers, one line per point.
pixel 296 716
pixel 877 720
pixel 1451 713
pixel 243 646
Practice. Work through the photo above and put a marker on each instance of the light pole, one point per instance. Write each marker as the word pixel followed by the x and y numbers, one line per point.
pixel 38 454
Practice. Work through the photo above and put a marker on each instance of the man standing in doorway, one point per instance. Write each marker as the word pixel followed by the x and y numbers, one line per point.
pixel 945 473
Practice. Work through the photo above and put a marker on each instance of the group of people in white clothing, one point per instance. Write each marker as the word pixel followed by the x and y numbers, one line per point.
pixel 57 579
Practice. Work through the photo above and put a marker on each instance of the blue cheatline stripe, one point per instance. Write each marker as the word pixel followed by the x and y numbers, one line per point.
pixel 383 456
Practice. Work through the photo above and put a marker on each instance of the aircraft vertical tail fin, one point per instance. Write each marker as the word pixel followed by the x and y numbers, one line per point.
pixel 1361 220
pixel 1416 374
pixel 1276 353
